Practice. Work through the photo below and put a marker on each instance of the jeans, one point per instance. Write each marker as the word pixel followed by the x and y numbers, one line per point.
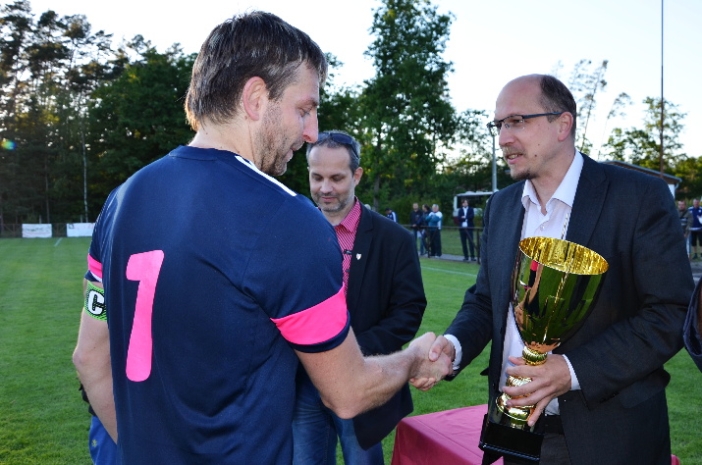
pixel 421 239
pixel 103 449
pixel 315 429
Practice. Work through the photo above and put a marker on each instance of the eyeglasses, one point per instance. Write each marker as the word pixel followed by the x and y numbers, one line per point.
pixel 515 122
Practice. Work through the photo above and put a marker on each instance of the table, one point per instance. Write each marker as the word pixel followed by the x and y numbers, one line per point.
pixel 450 436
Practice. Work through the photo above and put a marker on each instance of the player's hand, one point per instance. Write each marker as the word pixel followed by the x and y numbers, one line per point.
pixel 434 363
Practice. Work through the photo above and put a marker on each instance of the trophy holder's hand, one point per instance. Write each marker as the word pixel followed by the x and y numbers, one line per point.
pixel 520 414
pixel 435 363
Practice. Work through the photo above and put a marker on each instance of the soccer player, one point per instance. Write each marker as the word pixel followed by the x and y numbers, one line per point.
pixel 218 279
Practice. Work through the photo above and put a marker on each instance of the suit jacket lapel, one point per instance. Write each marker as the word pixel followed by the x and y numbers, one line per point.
pixel 507 218
pixel 359 259
pixel 589 201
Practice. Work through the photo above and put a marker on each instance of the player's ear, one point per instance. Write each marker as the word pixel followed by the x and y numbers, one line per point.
pixel 254 98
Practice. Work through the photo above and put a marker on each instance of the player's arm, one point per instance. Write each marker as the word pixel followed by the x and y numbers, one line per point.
pixel 350 384
pixel 91 358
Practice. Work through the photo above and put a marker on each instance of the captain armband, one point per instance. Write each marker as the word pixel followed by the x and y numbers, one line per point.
pixel 95 302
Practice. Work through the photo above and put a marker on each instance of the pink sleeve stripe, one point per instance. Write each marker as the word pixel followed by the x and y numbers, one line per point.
pixel 316 324
pixel 95 267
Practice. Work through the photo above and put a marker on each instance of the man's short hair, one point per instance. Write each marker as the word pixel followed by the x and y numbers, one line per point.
pixel 245 46
pixel 555 96
pixel 334 139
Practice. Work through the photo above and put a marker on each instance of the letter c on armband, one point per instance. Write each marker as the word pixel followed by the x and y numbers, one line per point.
pixel 95 302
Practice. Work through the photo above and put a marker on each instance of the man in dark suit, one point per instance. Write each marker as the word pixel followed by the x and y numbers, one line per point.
pixel 465 229
pixel 385 297
pixel 603 390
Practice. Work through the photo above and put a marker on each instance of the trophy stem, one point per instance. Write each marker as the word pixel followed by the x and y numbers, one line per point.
pixel 532 357
pixel 518 416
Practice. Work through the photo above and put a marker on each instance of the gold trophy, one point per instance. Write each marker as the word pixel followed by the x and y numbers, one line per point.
pixel 556 283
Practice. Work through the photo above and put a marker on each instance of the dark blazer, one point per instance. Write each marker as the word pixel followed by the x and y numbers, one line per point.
pixel 386 301
pixel 692 335
pixel 619 415
pixel 465 216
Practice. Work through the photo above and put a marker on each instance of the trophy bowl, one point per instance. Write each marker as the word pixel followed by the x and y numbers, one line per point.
pixel 556 283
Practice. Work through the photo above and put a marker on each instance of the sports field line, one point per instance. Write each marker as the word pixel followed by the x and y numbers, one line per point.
pixel 472 275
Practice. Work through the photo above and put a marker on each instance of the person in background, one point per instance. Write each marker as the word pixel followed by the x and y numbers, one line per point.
pixel 384 295
pixel 602 392
pixel 201 344
pixel 416 221
pixel 391 215
pixel 685 222
pixel 434 228
pixel 695 227
pixel 465 229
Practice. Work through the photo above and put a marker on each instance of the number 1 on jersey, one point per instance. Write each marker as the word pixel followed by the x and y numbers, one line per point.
pixel 144 268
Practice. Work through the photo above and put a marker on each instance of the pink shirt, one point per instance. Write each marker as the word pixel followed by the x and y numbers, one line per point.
pixel 346 235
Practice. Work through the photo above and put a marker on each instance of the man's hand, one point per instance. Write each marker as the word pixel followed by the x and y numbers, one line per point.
pixel 548 381
pixel 440 352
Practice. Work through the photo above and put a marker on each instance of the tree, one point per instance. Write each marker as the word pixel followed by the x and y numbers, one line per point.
pixel 407 116
pixel 138 117
pixel 641 146
pixel 472 169
pixel 48 68
pixel 584 84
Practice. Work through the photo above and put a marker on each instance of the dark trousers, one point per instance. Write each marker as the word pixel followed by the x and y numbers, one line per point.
pixel 554 451
pixel 435 242
pixel 467 235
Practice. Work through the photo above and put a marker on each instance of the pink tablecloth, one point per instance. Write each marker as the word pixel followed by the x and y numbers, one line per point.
pixel 450 436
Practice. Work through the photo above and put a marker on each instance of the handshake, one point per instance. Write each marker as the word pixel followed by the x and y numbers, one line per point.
pixel 434 360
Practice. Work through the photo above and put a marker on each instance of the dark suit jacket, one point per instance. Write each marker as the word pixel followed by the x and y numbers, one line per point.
pixel 619 415
pixel 691 330
pixel 465 216
pixel 386 301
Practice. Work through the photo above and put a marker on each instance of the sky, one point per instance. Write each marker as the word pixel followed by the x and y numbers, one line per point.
pixel 491 42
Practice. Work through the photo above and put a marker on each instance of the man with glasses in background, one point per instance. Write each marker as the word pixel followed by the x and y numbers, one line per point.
pixel 384 295
pixel 602 393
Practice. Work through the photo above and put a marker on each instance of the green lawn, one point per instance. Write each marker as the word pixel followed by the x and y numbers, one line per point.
pixel 44 421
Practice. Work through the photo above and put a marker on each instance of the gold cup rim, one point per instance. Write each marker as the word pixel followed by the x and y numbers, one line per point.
pixel 563 255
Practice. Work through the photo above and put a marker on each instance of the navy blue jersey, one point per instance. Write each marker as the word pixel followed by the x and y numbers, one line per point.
pixel 213 273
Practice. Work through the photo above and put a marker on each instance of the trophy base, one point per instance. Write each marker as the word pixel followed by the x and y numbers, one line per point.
pixel 502 439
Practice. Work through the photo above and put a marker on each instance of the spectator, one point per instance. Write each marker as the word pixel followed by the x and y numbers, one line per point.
pixel 685 222
pixel 695 227
pixel 465 229
pixel 434 228
pixel 390 214
pixel 416 221
pixel 385 298
pixel 425 232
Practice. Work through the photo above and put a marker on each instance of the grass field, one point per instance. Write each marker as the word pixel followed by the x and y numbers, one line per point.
pixel 44 421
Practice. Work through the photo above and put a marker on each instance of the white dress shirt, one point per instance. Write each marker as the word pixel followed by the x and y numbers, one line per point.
pixel 553 224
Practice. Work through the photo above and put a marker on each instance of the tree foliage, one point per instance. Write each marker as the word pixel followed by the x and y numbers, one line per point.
pixel 408 119
pixel 641 146
pixel 77 116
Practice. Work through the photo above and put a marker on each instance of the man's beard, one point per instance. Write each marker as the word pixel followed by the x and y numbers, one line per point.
pixel 272 145
pixel 521 176
pixel 334 208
